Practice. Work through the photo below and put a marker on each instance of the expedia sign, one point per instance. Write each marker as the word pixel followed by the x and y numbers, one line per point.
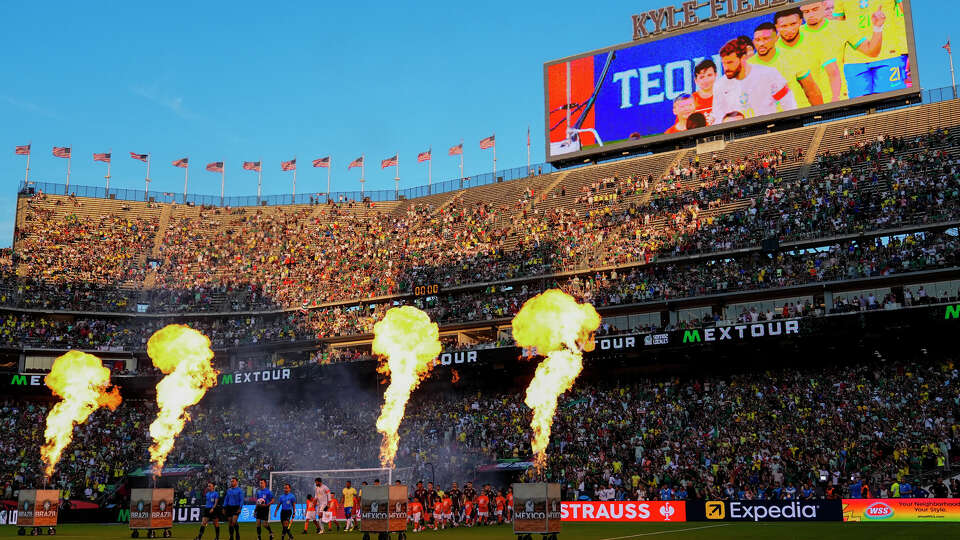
pixel 818 510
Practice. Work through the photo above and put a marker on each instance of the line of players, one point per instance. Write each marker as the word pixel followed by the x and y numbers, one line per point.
pixel 321 508
pixel 435 509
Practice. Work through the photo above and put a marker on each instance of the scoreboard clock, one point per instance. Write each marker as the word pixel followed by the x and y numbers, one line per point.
pixel 426 290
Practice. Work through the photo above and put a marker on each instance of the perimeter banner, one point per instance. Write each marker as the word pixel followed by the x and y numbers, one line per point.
pixel 604 511
pixel 876 510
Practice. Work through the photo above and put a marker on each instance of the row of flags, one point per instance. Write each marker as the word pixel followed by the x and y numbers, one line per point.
pixel 291 165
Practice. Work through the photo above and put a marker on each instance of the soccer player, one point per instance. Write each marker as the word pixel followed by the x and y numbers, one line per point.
pixel 446 502
pixel 798 78
pixel 832 37
pixel 431 496
pixel 456 498
pixel 330 514
pixel 211 510
pixel 415 510
pixel 349 499
pixel 262 512
pixel 499 503
pixel 705 76
pixel 232 503
pixel 752 90
pixel 800 55
pixel 321 495
pixel 483 508
pixel 881 65
pixel 683 106
pixel 311 515
pixel 288 503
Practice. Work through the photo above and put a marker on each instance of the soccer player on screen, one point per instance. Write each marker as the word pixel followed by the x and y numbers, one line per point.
pixel 349 500
pixel 875 68
pixel 752 90
pixel 288 503
pixel 704 76
pixel 800 57
pixel 262 511
pixel 211 511
pixel 683 106
pixel 784 60
pixel 232 503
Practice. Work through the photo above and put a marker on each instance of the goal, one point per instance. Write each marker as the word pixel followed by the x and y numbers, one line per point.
pixel 302 482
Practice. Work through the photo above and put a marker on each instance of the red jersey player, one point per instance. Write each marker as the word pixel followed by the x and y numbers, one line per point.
pixel 447 504
pixel 500 503
pixel 437 514
pixel 468 512
pixel 509 504
pixel 415 510
pixel 483 508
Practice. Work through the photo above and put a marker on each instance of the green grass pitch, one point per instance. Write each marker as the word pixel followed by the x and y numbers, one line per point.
pixel 576 531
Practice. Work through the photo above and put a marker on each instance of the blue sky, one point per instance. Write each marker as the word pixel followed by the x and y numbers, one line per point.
pixel 246 81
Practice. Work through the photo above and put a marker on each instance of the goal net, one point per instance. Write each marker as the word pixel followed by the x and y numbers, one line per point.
pixel 302 483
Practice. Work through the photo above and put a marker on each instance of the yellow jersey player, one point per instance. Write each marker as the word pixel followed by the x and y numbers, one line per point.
pixel 887 69
pixel 349 499
pixel 791 62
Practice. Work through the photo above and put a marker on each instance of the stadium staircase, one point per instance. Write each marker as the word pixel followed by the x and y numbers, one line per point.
pixel 810 157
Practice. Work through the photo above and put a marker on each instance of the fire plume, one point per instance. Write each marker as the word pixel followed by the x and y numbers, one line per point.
pixel 560 328
pixel 184 355
pixel 409 343
pixel 82 381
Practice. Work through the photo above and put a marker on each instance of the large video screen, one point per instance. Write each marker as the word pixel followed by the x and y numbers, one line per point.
pixel 799 58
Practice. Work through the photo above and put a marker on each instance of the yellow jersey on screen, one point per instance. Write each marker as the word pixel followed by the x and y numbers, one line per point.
pixel 858 16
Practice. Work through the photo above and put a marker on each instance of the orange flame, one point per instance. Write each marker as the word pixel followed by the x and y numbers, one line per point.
pixel 560 328
pixel 409 342
pixel 456 376
pixel 82 381
pixel 183 354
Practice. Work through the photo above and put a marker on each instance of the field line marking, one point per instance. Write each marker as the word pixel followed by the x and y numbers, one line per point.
pixel 668 531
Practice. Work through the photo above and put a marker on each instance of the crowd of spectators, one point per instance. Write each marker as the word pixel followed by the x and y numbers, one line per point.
pixel 735 436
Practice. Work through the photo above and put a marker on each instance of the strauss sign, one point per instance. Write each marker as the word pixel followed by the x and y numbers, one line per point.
pixel 687 15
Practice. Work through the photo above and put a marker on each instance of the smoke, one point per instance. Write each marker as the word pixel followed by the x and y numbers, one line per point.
pixel 184 355
pixel 409 342
pixel 558 327
pixel 82 381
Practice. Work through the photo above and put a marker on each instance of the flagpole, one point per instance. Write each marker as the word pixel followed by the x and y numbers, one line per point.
pixel 953 78
pixel 186 172
pixel 26 177
pixel 223 180
pixel 146 181
pixel 430 173
pixel 108 172
pixel 494 156
pixel 396 181
pixel 69 157
pixel 329 166
pixel 259 178
pixel 461 163
pixel 528 152
pixel 294 179
pixel 363 161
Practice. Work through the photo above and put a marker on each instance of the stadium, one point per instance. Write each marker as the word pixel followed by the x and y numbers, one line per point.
pixel 722 307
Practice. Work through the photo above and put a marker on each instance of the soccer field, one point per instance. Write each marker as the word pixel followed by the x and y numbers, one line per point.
pixel 581 531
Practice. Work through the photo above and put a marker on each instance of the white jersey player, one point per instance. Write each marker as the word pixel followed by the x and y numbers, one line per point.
pixel 747 90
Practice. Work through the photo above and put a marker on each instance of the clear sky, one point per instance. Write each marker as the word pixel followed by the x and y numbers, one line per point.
pixel 247 81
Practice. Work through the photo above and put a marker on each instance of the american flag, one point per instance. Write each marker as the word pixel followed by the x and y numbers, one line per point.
pixel 23 150
pixel 61 151
pixel 390 162
pixel 356 163
pixel 289 165
pixel 216 166
pixel 425 156
pixel 141 157
pixel 489 142
pixel 456 150
pixel 947 47
pixel 322 162
pixel 182 163
pixel 251 166
pixel 102 157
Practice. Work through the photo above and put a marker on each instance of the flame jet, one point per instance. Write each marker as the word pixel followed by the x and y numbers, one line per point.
pixel 409 342
pixel 83 383
pixel 184 355
pixel 560 328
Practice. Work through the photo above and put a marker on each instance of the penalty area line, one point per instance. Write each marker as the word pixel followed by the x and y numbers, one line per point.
pixel 671 531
